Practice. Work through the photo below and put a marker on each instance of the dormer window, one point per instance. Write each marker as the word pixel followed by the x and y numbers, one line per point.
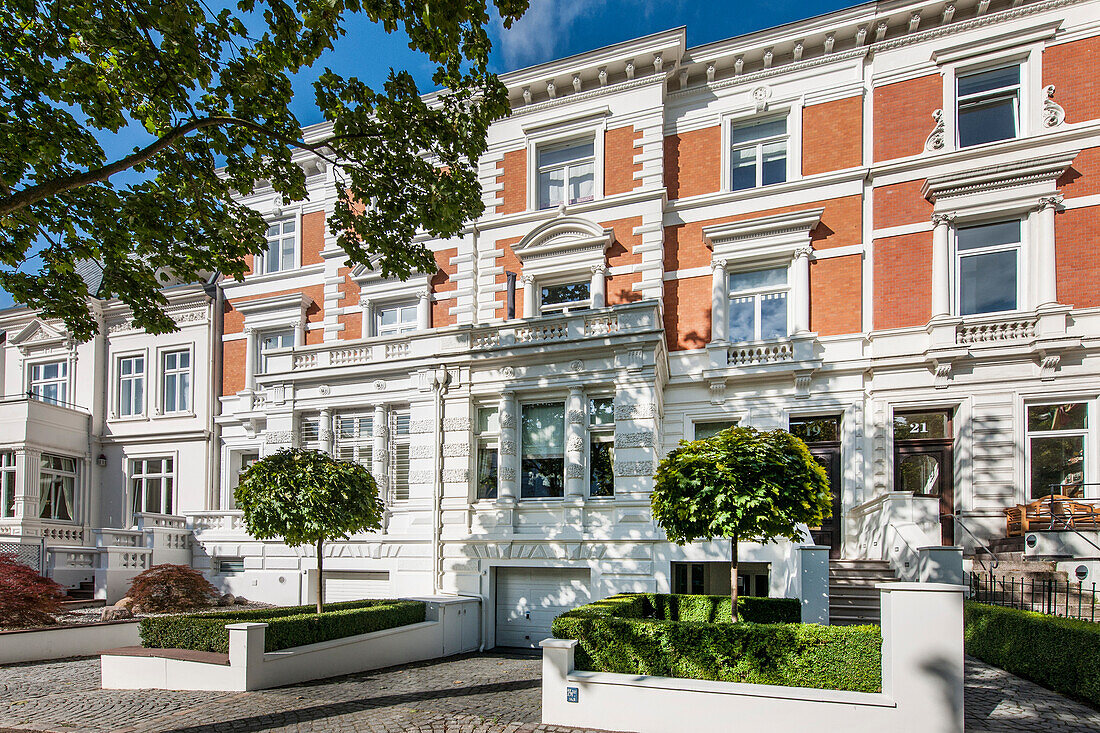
pixel 758 305
pixel 989 106
pixel 758 153
pixel 566 173
pixel 282 241
pixel 566 297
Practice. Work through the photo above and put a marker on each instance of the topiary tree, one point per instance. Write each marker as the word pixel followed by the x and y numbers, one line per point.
pixel 26 598
pixel 167 587
pixel 307 497
pixel 742 484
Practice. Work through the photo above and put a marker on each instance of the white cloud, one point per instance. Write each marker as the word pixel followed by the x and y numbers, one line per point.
pixel 543 31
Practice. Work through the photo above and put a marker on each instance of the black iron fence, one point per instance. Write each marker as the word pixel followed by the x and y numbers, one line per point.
pixel 1069 599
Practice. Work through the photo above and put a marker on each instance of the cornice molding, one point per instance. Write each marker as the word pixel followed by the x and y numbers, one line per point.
pixel 1006 175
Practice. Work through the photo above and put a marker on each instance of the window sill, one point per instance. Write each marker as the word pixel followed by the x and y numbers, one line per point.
pixel 128 418
pixel 179 414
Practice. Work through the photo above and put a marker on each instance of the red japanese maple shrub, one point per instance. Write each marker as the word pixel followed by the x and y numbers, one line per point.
pixel 26 598
pixel 167 587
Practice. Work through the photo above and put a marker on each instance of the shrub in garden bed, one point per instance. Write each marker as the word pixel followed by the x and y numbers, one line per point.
pixel 1058 653
pixel 671 636
pixel 26 598
pixel 287 627
pixel 166 588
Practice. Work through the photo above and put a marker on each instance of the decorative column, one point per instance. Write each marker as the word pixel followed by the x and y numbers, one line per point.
pixel 368 317
pixel 28 464
pixel 530 302
pixel 575 432
pixel 249 357
pixel 508 473
pixel 598 288
pixel 380 448
pixel 299 333
pixel 941 264
pixel 1046 272
pixel 424 310
pixel 800 291
pixel 719 302
pixel 324 430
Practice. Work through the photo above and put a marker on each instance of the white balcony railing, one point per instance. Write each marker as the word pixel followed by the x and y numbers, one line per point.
pixel 752 354
pixel 220 522
pixel 1015 329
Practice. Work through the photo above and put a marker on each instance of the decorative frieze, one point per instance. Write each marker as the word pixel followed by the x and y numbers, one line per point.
pixel 507 447
pixel 574 470
pixel 507 473
pixel 635 410
pixel 641 439
pixel 634 468
pixel 456 424
pixel 455 450
pixel 279 437
pixel 420 477
pixel 421 451
pixel 420 427
pixel 456 476
pixel 576 417
pixel 575 444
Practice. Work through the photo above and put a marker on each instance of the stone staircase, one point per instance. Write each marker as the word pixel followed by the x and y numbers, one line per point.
pixel 83 596
pixel 853 597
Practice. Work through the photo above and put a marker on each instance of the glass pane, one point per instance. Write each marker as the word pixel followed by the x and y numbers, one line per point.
pixel 773 316
pixel 185 360
pixel 152 495
pixel 125 399
pixel 919 425
pixel 551 188
pixel 170 361
pixel 602 468
pixel 743 169
pixel 602 411
pixel 919 474
pixel 774 168
pixel 988 80
pixel 989 235
pixel 542 478
pixel 742 319
pixel 816 429
pixel 1058 466
pixel 739 281
pixel 987 282
pixel 389 316
pixel 567 293
pixel 185 392
pixel 581 183
pixel 543 429
pixel 487 473
pixel 1057 417
pixel 987 121
pixel 488 420
pixel 139 395
pixel 558 155
pixel 758 131
pixel 705 430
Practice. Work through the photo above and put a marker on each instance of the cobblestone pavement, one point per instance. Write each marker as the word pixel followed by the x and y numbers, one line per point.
pixel 485 693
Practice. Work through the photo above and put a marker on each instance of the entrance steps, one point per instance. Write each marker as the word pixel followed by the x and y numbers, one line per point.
pixel 853 597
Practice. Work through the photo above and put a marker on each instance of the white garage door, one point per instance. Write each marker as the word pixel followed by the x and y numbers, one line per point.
pixel 528 599
pixel 354 585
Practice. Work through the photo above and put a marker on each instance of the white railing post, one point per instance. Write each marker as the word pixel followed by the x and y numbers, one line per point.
pixel 246 653
pixel 814 583
pixel 557 663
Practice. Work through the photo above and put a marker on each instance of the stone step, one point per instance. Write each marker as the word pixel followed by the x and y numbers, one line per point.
pixel 878 564
pixel 78 603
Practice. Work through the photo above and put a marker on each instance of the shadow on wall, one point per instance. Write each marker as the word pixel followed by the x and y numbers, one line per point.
pixel 946 673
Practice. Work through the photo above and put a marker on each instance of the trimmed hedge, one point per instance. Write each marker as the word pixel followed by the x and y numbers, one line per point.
pixel 670 636
pixel 286 627
pixel 1058 653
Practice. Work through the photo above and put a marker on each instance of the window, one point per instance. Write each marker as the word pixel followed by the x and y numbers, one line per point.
pixel 1056 442
pixel 542 434
pixel 704 430
pixel 131 386
pixel 758 154
pixel 56 485
pixel 601 454
pixel 176 367
pixel 273 341
pixel 989 106
pixel 7 484
pixel 400 431
pixel 988 257
pixel 355 439
pixel 50 382
pixel 152 482
pixel 566 297
pixel 566 173
pixel 242 462
pixel 816 429
pixel 230 565
pixel 281 245
pixel 396 319
pixel 488 431
pixel 758 305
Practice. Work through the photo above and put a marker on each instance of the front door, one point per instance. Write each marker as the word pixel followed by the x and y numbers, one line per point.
pixel 822 437
pixel 924 462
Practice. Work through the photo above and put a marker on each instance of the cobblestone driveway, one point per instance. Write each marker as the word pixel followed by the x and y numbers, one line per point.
pixel 487 693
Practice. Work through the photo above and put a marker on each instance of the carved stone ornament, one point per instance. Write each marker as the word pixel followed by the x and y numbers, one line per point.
pixel 635 410
pixel 456 424
pixel 1053 114
pixel 507 372
pixel 278 437
pixel 575 416
pixel 634 468
pixel 456 476
pixel 507 473
pixel 936 138
pixel 575 444
pixel 324 390
pixel 507 447
pixel 642 439
pixel 379 385
pixel 574 471
pixel 576 365
pixel 760 96
pixel 456 450
pixel 942 219
pixel 1048 365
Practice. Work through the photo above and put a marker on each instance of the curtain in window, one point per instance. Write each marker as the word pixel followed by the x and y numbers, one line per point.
pixel 543 441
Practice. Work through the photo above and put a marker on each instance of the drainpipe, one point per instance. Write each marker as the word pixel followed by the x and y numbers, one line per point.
pixel 439 386
pixel 213 393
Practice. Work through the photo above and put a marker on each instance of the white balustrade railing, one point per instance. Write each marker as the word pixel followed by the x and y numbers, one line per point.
pixel 760 354
pixel 341 357
pixel 601 325
pixel 217 521
pixel 119 537
pixel 994 331
pixel 144 520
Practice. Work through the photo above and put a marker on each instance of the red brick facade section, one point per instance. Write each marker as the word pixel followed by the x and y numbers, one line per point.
pixel 233 367
pixel 836 300
pixel 444 284
pixel 903 281
pixel 1077 256
pixel 513 175
pixel 623 252
pixel 1083 177
pixel 832 136
pixel 618 155
pixel 687 313
pixel 509 263
pixel 899 204
pixel 693 162
pixel 352 318
pixel 903 115
pixel 313 237
pixel 1074 70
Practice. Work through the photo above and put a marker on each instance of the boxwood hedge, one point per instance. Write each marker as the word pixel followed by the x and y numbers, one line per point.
pixel 1058 653
pixel 687 636
pixel 286 627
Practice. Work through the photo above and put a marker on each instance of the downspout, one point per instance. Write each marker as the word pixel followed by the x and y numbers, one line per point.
pixel 213 394
pixel 439 386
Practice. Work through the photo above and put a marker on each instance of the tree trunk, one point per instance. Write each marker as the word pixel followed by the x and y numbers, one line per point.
pixel 320 580
pixel 733 577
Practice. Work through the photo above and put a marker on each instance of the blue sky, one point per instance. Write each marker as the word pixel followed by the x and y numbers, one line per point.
pixel 550 29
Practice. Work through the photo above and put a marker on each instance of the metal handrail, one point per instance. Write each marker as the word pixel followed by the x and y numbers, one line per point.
pixel 983 545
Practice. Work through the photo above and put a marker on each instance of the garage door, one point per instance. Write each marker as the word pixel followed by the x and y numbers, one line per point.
pixel 528 599
pixel 354 585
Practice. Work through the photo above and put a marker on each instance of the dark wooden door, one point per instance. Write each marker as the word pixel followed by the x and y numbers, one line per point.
pixel 828 534
pixel 925 467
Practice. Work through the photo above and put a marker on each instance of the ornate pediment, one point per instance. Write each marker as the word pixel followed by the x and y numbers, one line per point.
pixel 36 334
pixel 563 244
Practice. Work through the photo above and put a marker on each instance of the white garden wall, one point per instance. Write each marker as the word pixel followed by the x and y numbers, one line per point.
pixel 34 645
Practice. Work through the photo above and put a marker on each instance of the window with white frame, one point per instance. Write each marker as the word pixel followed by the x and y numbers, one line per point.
pixel 488 444
pixel 57 488
pixel 131 385
pixel 354 437
pixel 565 297
pixel 601 447
pixel 241 463
pixel 988 105
pixel 176 370
pixel 758 153
pixel 987 262
pixel 400 429
pixel 7 484
pixel 566 173
pixel 49 382
pixel 542 439
pixel 282 245
pixel 270 342
pixel 1056 439
pixel 395 318
pixel 710 428
pixel 758 305
pixel 152 483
